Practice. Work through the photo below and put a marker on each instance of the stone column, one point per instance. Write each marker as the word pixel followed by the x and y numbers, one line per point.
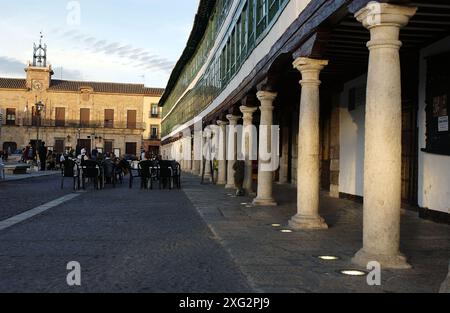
pixel 265 178
pixel 308 168
pixel 207 152
pixel 231 144
pixel 284 160
pixel 383 141
pixel 222 174
pixel 247 141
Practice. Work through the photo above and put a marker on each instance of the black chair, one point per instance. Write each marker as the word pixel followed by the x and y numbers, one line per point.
pixel 176 167
pixel 145 173
pixel 165 174
pixel 91 170
pixel 110 174
pixel 70 169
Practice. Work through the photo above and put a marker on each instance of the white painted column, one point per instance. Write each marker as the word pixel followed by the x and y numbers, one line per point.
pixel 308 169
pixel 383 136
pixel 265 177
pixel 247 142
pixel 284 160
pixel 231 149
pixel 222 153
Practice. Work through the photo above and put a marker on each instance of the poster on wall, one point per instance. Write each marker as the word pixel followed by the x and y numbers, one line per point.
pixel 443 124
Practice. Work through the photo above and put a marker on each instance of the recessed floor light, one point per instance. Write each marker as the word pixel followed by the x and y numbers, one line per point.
pixel 276 225
pixel 244 203
pixel 286 231
pixel 328 257
pixel 353 273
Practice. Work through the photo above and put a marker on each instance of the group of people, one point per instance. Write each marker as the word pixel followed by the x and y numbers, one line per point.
pixel 46 157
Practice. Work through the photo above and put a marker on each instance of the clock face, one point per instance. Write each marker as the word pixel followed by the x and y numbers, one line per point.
pixel 37 85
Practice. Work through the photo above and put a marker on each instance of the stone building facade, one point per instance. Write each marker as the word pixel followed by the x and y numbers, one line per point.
pixel 110 116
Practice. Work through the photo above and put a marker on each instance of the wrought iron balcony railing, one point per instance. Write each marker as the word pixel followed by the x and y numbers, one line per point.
pixel 79 124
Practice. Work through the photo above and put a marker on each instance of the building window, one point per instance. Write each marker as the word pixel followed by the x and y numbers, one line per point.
pixel 109 146
pixel 438 107
pixel 85 116
pixel 59 146
pixel 60 117
pixel 11 117
pixel 261 16
pixel 155 111
pixel 131 148
pixel 154 132
pixel 109 119
pixel 131 119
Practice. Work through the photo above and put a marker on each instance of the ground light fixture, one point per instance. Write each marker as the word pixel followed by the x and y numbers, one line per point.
pixel 275 225
pixel 286 231
pixel 328 257
pixel 352 272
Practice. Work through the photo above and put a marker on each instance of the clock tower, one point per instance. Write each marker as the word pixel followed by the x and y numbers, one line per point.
pixel 38 73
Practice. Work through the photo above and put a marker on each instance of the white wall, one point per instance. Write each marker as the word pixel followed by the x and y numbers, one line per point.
pixel 434 170
pixel 351 137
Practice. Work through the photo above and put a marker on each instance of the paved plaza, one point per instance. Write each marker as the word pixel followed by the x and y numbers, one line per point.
pixel 199 239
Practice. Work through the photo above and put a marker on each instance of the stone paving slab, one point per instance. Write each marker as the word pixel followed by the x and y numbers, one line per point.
pixel 287 262
pixel 125 240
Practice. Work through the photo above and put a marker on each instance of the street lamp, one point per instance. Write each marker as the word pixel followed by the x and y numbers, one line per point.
pixel 39 108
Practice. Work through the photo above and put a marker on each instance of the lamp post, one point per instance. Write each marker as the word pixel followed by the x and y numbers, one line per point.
pixel 39 108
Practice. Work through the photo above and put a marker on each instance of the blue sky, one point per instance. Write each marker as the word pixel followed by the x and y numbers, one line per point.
pixel 132 41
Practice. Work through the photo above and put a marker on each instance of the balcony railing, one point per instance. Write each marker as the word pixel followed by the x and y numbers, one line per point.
pixel 78 124
pixel 155 137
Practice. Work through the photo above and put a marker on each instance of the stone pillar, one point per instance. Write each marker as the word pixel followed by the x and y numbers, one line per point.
pixel 222 173
pixel 207 152
pixel 284 160
pixel 265 178
pixel 231 140
pixel 383 141
pixel 308 168
pixel 247 142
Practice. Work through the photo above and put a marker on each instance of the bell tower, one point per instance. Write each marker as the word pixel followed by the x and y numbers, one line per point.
pixel 38 73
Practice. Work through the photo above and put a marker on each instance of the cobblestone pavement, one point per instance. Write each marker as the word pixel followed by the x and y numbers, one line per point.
pixel 125 240
pixel 287 262
pixel 10 178
pixel 18 196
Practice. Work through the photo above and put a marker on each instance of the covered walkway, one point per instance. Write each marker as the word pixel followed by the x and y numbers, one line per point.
pixel 274 261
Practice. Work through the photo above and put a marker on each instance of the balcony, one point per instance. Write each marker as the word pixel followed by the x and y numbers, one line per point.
pixel 83 125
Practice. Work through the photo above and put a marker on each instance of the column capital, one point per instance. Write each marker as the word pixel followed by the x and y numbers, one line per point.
pixel 303 64
pixel 233 119
pixel 384 14
pixel 248 111
pixel 266 95
pixel 310 70
pixel 248 114
pixel 222 123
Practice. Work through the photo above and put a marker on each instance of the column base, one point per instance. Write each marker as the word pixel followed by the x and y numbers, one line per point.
pixel 307 222
pixel 264 202
pixel 281 182
pixel 250 193
pixel 362 258
pixel 221 183
pixel 230 186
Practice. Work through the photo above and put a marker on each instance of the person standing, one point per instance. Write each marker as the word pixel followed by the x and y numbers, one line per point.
pixel 94 154
pixel 42 155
